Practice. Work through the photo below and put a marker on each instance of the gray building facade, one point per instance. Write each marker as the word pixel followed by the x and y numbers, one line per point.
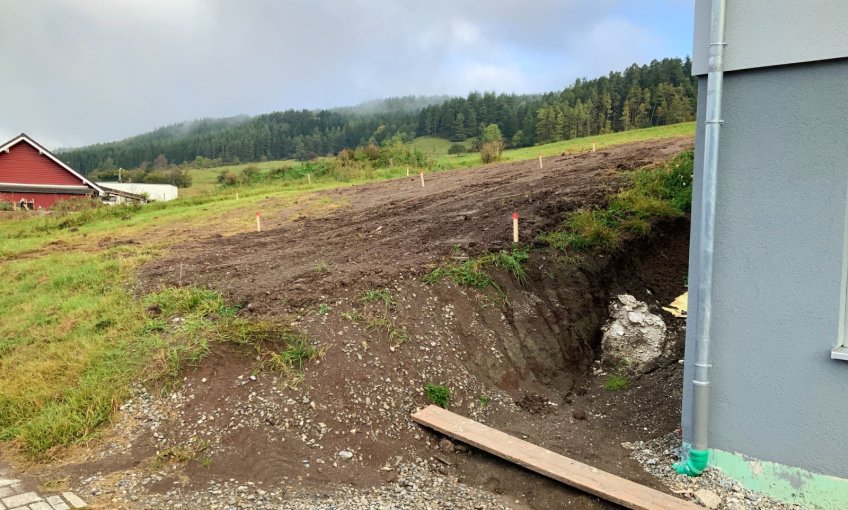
pixel 779 374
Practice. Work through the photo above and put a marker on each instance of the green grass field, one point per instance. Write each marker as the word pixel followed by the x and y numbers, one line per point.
pixel 206 180
pixel 435 147
pixel 446 161
pixel 74 336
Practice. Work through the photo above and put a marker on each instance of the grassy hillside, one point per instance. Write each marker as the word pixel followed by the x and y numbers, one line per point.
pixel 205 181
pixel 75 333
pixel 568 146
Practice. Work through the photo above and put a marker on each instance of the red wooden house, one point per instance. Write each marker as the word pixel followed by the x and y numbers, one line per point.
pixel 31 176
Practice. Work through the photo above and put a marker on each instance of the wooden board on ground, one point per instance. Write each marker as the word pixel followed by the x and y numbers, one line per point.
pixel 584 477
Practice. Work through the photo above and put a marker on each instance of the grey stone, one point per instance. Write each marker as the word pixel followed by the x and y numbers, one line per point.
pixel 21 499
pixel 41 505
pixel 73 500
pixel 57 503
pixel 633 334
pixel 708 498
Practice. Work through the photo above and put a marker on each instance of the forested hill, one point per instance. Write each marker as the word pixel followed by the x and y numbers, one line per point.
pixel 662 92
pixel 301 134
pixel 659 93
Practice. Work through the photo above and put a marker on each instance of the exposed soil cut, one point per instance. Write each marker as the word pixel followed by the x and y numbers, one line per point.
pixel 526 366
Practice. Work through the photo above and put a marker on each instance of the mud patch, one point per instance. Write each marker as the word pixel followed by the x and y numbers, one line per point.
pixel 534 403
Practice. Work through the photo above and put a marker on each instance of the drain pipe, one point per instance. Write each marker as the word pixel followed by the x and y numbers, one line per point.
pixel 698 454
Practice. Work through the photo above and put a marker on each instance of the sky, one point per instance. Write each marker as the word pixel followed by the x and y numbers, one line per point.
pixel 76 72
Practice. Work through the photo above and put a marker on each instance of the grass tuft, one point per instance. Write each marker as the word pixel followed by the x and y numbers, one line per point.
pixel 471 273
pixel 437 394
pixel 378 296
pixel 616 382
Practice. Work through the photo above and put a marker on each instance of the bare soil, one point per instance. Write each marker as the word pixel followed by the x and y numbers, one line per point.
pixel 525 366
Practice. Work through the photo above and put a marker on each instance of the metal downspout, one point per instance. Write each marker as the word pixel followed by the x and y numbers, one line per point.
pixel 698 455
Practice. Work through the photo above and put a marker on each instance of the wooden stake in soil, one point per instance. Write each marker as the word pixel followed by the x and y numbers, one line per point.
pixel 236 195
pixel 309 178
pixel 593 146
pixel 515 227
pixel 422 178
pixel 407 171
pixel 540 161
pixel 181 275
pixel 258 222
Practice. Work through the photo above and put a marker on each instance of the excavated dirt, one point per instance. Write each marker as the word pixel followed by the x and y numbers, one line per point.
pixel 525 366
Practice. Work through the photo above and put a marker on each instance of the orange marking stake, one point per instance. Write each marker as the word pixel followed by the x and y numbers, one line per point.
pixel 515 227
pixel 540 161
pixel 258 222
pixel 422 179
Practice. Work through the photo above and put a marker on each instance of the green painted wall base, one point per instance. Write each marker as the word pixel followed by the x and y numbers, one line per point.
pixel 794 485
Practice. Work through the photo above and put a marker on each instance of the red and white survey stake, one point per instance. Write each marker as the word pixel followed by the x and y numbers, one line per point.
pixel 515 227
pixel 258 222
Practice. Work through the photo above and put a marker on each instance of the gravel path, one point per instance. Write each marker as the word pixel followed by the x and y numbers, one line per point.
pixel 417 486
pixel 712 489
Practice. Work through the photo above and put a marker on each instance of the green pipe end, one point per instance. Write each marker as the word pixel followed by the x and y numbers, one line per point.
pixel 695 464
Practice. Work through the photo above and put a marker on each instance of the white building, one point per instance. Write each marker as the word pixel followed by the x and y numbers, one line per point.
pixel 153 192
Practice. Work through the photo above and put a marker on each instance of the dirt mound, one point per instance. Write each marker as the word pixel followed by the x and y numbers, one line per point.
pixel 397 228
pixel 534 403
pixel 523 365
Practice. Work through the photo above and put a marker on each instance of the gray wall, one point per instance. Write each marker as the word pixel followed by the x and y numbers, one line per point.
pixel 764 33
pixel 779 280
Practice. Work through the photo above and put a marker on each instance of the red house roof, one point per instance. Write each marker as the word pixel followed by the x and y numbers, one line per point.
pixel 26 165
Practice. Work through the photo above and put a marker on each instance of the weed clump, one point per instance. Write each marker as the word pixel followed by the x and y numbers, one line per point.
pixel 437 394
pixel 297 352
pixel 378 295
pixel 471 273
pixel 379 320
pixel 616 382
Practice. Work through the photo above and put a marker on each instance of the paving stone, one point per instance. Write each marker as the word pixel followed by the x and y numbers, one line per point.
pixel 7 481
pixel 58 503
pixel 5 492
pixel 41 505
pixel 73 500
pixel 21 499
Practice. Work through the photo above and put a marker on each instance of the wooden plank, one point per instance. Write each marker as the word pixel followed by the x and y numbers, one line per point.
pixel 553 465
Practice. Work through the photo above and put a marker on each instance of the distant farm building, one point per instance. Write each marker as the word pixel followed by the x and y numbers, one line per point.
pixel 152 192
pixel 31 177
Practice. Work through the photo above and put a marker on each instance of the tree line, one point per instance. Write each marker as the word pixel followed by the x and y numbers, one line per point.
pixel 659 93
pixel 662 92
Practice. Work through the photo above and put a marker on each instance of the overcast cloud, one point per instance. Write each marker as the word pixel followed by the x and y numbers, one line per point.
pixel 84 71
